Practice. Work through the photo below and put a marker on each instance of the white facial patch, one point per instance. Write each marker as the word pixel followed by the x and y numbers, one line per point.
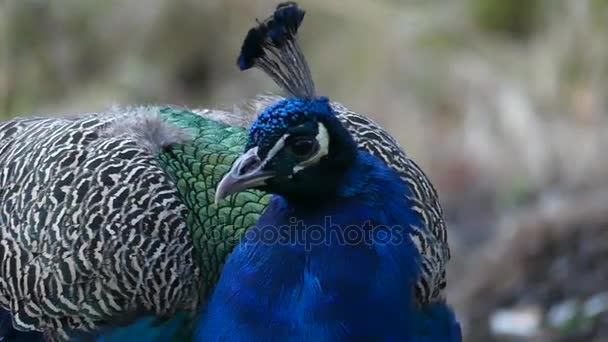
pixel 323 140
pixel 275 149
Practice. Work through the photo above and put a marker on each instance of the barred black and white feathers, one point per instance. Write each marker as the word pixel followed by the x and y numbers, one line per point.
pixel 92 231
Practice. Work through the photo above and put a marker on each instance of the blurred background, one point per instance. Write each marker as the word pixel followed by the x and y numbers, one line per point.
pixel 502 102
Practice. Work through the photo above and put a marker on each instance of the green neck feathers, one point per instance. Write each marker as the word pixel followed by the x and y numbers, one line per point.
pixel 196 167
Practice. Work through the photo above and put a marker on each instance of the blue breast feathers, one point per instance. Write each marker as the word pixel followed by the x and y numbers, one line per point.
pixel 343 272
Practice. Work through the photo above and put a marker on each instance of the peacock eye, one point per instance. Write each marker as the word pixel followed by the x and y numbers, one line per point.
pixel 303 147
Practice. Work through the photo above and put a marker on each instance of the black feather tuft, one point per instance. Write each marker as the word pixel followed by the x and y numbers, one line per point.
pixel 285 23
pixel 276 31
pixel 252 48
pixel 272 47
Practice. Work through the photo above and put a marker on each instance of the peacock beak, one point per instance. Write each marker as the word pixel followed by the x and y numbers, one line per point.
pixel 246 173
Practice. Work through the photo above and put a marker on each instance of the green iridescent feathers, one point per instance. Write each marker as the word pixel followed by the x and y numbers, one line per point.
pixel 197 167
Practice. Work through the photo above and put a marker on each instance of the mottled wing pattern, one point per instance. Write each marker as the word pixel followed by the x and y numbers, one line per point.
pixel 92 231
pixel 433 247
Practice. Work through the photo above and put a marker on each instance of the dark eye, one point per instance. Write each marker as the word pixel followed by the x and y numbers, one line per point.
pixel 303 147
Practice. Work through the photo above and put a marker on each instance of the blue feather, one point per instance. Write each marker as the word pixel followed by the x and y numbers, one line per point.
pixel 9 333
pixel 277 117
pixel 333 257
pixel 146 329
pixel 358 290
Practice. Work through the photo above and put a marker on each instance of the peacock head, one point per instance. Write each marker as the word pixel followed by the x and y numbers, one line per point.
pixel 297 147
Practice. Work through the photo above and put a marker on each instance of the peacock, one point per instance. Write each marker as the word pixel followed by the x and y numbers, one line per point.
pixel 335 255
pixel 109 228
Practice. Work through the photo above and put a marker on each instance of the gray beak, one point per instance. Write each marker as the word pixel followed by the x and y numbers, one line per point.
pixel 246 173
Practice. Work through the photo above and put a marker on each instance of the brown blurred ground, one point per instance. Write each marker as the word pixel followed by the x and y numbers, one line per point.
pixel 503 103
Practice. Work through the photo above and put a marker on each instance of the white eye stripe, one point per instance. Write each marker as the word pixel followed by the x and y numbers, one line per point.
pixel 323 140
pixel 275 149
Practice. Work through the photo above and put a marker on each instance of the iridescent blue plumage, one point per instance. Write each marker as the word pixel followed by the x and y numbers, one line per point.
pixel 9 333
pixel 279 116
pixel 345 287
pixel 145 329
pixel 334 257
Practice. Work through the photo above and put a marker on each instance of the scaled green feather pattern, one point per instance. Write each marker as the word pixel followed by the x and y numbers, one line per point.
pixel 197 167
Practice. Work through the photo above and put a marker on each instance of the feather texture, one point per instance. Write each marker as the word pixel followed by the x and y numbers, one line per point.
pixel 92 231
pixel 291 292
pixel 375 269
pixel 48 161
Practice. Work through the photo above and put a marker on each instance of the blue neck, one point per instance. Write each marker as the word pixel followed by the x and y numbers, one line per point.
pixel 342 271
